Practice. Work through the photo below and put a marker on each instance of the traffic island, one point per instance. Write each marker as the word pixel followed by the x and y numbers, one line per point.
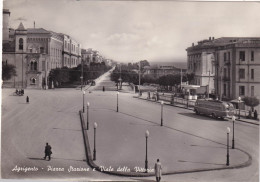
pixel 245 159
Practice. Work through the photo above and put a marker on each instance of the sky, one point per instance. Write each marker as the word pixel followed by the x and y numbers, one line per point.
pixel 129 31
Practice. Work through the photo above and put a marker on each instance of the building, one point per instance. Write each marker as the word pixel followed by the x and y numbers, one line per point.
pixel 158 71
pixel 71 53
pixel 233 62
pixel 34 52
pixel 201 62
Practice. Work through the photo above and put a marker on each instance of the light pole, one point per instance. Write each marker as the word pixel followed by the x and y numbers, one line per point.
pixel 162 113
pixel 239 100
pixel 146 160
pixel 139 78
pixel 87 115
pixel 84 101
pixel 117 101
pixel 228 131
pixel 94 151
pixel 233 140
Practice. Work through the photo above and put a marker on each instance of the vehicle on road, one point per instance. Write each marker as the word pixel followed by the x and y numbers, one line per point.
pixel 214 108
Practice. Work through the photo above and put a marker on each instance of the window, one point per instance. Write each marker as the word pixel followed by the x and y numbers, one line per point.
pixel 35 65
pixel 252 91
pixel 228 56
pixel 242 55
pixel 224 90
pixel 33 81
pixel 20 44
pixel 252 56
pixel 41 50
pixel 241 90
pixel 252 74
pixel 241 73
pixel 225 72
pixel 225 57
pixel 43 65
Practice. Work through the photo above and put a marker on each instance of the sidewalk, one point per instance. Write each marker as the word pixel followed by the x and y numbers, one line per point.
pixel 177 104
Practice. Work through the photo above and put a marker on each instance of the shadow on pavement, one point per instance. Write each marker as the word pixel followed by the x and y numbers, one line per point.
pixel 140 118
pixel 201 117
pixel 66 129
pixel 207 146
pixel 144 180
pixel 34 158
pixel 202 162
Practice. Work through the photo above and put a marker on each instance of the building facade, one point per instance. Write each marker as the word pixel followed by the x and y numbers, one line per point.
pixel 34 52
pixel 71 52
pixel 233 63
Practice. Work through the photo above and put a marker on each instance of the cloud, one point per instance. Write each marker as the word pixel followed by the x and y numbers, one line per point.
pixel 122 38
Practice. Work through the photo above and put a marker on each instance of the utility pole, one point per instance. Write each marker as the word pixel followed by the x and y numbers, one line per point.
pixel 208 83
pixel 139 77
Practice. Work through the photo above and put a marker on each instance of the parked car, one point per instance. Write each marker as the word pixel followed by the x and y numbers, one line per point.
pixel 215 108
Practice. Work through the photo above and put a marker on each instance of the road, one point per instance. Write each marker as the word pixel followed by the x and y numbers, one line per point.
pixel 52 116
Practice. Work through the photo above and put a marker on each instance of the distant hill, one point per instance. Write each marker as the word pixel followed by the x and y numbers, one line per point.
pixel 182 65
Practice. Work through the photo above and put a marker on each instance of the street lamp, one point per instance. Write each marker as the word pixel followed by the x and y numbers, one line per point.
pixel 146 161
pixel 162 113
pixel 239 100
pixel 117 101
pixel 94 151
pixel 87 115
pixel 233 140
pixel 228 131
pixel 84 101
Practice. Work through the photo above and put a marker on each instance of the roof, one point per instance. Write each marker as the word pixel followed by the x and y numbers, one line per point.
pixel 223 41
pixel 37 31
pixel 20 27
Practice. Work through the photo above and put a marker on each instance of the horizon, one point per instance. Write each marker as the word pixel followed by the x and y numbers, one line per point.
pixel 129 31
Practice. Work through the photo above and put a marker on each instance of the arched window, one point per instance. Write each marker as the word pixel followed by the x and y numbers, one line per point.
pixel 31 68
pixel 35 66
pixel 20 44
pixel 33 81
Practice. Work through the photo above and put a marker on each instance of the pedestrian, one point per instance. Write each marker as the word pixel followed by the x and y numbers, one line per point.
pixel 255 115
pixel 249 114
pixel 103 88
pixel 27 100
pixel 158 170
pixel 47 151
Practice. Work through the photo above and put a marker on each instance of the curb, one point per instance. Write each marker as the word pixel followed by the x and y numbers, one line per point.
pixel 135 174
pixel 241 120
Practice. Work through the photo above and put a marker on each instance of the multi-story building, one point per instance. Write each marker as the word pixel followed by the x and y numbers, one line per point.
pixel 158 71
pixel 34 52
pixel 201 63
pixel 71 52
pixel 235 63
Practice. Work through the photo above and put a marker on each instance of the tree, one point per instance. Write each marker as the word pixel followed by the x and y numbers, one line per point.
pixel 8 71
pixel 251 102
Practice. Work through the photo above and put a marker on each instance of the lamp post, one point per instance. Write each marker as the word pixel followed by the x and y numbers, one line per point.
pixel 239 100
pixel 146 160
pixel 162 113
pixel 233 140
pixel 84 101
pixel 94 151
pixel 117 101
pixel 87 115
pixel 228 131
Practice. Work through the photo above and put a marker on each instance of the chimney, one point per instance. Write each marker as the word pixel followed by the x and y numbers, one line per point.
pixel 192 44
pixel 34 24
pixel 213 38
pixel 209 38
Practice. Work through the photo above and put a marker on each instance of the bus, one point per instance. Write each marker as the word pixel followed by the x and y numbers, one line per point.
pixel 214 108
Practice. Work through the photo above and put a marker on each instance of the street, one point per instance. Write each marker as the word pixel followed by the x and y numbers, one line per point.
pixel 185 142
